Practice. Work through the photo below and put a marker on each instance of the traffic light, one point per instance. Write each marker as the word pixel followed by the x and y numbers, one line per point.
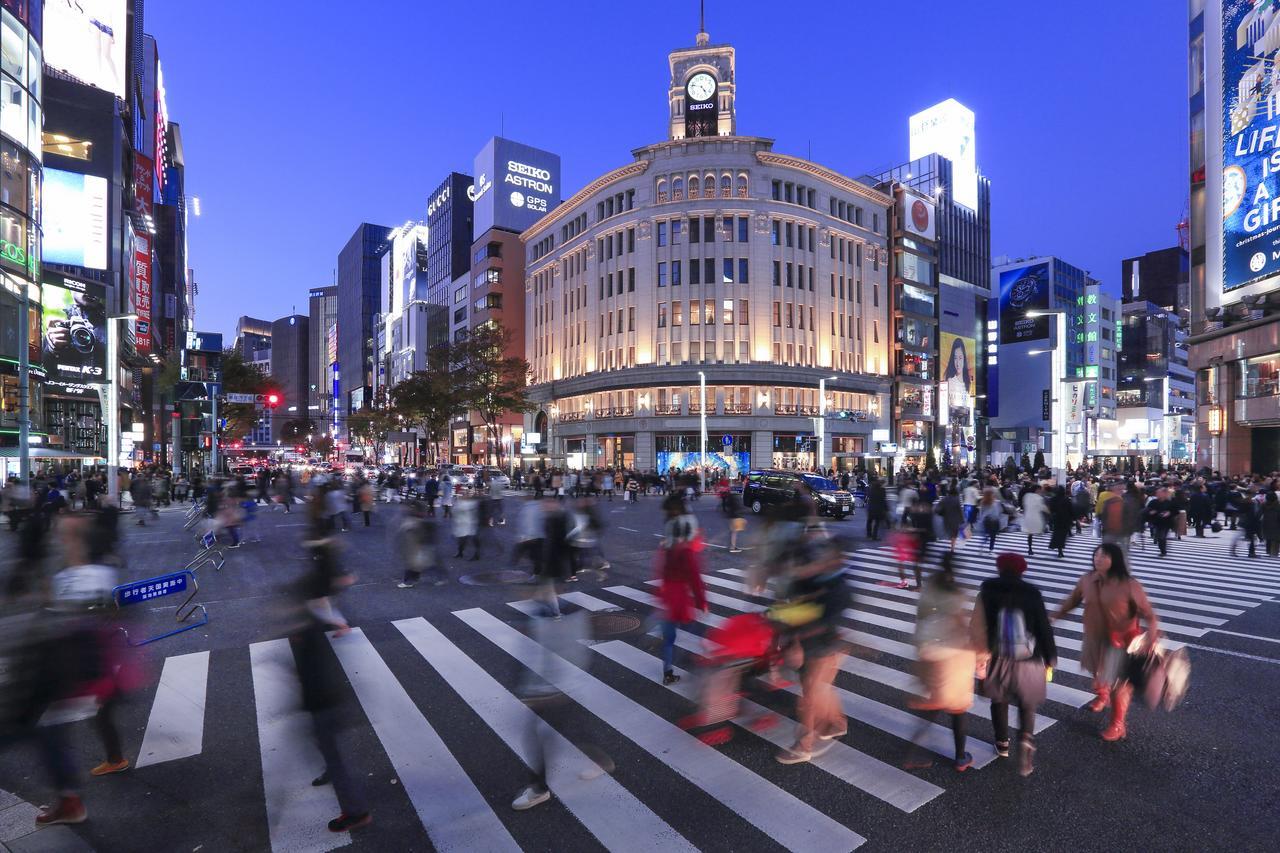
pixel 273 400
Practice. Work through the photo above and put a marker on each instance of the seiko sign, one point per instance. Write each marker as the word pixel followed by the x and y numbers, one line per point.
pixel 437 202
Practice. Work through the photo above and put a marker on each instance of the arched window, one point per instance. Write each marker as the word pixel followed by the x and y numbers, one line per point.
pixel 662 189
pixel 693 187
pixel 742 186
pixel 725 187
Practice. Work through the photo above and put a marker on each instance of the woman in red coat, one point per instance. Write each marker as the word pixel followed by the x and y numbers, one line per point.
pixel 680 572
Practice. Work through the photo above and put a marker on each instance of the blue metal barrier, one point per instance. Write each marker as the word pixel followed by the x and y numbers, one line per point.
pixel 137 592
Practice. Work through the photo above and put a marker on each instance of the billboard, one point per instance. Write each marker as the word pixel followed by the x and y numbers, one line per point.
pixel 1021 290
pixel 86 39
pixel 946 129
pixel 75 219
pixel 142 291
pixel 959 363
pixel 515 185
pixel 74 331
pixel 917 214
pixel 1250 192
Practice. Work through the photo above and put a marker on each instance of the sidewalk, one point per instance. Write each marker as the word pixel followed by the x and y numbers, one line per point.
pixel 19 833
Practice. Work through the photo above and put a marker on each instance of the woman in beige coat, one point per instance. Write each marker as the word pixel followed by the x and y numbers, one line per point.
pixel 945 661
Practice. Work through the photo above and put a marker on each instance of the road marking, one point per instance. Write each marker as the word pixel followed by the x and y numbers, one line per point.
pixel 588 602
pixel 175 726
pixel 1233 654
pixel 1247 636
pixel 608 810
pixel 775 812
pixel 297 811
pixel 452 811
pixel 883 781
pixel 628 529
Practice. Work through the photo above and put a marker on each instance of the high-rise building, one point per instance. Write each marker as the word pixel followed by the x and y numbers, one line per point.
pixel 708 257
pixel 941 278
pixel 405 313
pixel 322 332
pixel 1161 278
pixel 449 219
pixel 359 302
pixel 290 369
pixel 1234 244
pixel 1156 394
pixel 252 335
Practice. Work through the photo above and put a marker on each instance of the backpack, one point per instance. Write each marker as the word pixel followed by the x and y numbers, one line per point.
pixel 1013 641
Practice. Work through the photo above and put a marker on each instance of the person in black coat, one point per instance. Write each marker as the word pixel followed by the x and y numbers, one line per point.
pixel 1010 628
pixel 1161 514
pixel 877 508
pixel 1062 514
pixel 1250 518
pixel 1200 509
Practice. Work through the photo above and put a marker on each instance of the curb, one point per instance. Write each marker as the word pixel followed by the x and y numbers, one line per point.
pixel 19 833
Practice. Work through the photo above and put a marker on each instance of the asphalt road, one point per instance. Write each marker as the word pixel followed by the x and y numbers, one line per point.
pixel 433 728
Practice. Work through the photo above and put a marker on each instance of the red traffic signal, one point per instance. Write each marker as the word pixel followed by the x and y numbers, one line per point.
pixel 273 399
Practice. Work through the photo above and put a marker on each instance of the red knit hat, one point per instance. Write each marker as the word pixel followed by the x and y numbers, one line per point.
pixel 1010 563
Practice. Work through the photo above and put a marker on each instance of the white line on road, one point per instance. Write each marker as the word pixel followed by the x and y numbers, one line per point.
pixel 1233 654
pixel 452 811
pixel 608 810
pixel 297 811
pixel 1247 636
pixel 175 726
pixel 628 529
pixel 775 812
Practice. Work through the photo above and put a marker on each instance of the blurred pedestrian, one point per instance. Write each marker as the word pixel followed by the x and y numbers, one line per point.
pixel 1062 515
pixel 1033 514
pixel 680 586
pixel 466 526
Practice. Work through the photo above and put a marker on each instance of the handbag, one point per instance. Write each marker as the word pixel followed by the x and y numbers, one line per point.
pixel 1160 677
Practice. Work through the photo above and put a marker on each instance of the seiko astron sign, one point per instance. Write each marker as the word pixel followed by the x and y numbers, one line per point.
pixel 517 185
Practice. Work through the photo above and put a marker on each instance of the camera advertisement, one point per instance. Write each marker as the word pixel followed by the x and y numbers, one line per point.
pixel 74 340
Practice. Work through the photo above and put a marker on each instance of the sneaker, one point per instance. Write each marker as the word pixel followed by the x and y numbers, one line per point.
pixel 68 810
pixel 347 822
pixel 529 797
pixel 963 763
pixel 595 771
pixel 403 585
pixel 735 550
pixel 903 585
pixel 1002 748
pixel 108 767
pixel 844 730
pixel 1026 758
pixel 670 678
pixel 793 755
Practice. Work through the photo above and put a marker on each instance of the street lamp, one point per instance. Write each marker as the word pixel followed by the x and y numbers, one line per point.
pixel 552 414
pixel 702 418
pixel 113 404
pixel 1058 370
pixel 822 420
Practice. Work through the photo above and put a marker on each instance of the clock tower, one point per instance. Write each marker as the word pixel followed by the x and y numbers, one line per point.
pixel 702 89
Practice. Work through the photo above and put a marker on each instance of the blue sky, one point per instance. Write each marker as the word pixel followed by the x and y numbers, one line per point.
pixel 302 119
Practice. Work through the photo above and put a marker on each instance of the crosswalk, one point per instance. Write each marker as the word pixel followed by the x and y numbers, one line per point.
pixel 618 683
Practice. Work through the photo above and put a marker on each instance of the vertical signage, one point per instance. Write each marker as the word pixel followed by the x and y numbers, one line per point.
pixel 142 291
pixel 1250 144
pixel 143 184
pixel 947 129
pixel 1046 405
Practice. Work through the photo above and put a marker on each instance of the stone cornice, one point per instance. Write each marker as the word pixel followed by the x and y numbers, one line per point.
pixel 768 158
pixel 566 207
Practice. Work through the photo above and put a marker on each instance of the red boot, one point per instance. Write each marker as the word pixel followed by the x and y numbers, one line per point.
pixel 1115 730
pixel 1103 698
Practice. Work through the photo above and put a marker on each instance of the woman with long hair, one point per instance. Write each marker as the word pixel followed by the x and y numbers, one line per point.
pixel 958 375
pixel 1114 602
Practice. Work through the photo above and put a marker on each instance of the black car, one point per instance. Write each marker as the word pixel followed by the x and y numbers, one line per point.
pixel 771 486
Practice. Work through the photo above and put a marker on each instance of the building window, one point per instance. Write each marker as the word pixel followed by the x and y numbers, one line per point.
pixel 708 229
pixel 662 315
pixel 709 270
pixel 791 316
pixel 695 271
pixel 631 240
pixel 631 319
pixel 777 273
pixel 727 274
pixel 776 233
pixel 631 280
pixel 662 233
pixel 791 241
pixel 743 319
pixel 675 273
pixel 694 232
pixel 695 351
pixel 790 274
pixel 777 315
pixel 728 229
pixel 727 315
pixel 677 228
pixel 742 271
pixel 677 313
pixel 709 312
pixel 662 274
pixel 662 353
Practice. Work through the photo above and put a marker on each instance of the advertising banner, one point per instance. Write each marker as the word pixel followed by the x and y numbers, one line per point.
pixel 142 291
pixel 74 334
pixel 958 356
pixel 86 39
pixel 1075 406
pixel 1022 290
pixel 13 244
pixel 947 129
pixel 75 219
pixel 515 185
pixel 143 184
pixel 1250 192
pixel 917 215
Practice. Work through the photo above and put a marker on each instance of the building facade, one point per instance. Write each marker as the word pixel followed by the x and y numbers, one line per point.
pixel 322 315
pixel 709 257
pixel 1234 346
pixel 290 369
pixel 252 335
pixel 449 219
pixel 359 301
pixel 1156 392
pixel 1162 278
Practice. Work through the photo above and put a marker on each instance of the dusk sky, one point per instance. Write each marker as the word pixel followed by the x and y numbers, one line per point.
pixel 302 119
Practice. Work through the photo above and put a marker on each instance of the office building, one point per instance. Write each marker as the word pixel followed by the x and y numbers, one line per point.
pixel 1234 245
pixel 402 334
pixel 1161 278
pixel 1155 397
pixel 322 304
pixel 449 220
pixel 290 370
pixel 941 280
pixel 252 335
pixel 708 257
pixel 359 302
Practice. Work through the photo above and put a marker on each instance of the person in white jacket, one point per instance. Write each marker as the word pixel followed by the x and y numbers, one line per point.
pixel 1032 515
pixel 466 525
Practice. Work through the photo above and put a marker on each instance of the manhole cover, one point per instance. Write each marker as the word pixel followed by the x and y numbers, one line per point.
pixel 614 624
pixel 505 576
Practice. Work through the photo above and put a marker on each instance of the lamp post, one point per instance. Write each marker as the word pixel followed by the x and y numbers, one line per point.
pixel 1058 369
pixel 552 414
pixel 702 418
pixel 113 404
pixel 822 422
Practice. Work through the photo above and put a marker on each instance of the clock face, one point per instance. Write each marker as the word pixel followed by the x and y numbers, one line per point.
pixel 701 86
pixel 1234 184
